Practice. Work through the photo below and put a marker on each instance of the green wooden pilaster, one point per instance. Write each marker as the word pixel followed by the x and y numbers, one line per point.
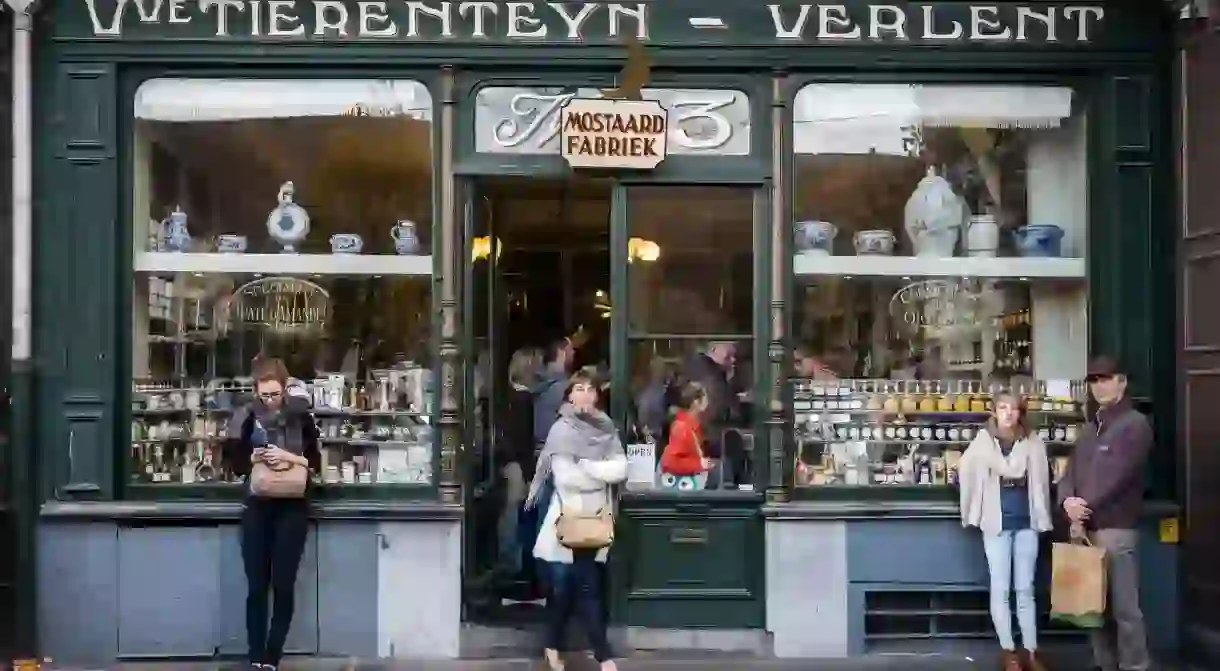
pixel 779 350
pixel 449 479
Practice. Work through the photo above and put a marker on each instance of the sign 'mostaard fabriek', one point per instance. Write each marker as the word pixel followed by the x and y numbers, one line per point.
pixel 688 22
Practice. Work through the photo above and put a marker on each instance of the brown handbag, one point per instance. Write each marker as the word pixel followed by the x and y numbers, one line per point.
pixel 585 531
pixel 283 481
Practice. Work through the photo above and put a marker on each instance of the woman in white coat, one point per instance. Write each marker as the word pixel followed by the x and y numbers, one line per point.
pixel 1005 492
pixel 582 458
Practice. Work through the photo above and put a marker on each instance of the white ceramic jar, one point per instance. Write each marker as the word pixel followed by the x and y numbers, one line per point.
pixel 982 235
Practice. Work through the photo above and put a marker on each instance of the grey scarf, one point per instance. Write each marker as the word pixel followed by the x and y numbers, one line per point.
pixel 578 435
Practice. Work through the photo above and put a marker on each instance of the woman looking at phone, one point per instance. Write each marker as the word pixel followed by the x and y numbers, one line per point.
pixel 277 431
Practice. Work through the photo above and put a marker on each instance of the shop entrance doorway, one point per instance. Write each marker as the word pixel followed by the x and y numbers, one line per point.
pixel 538 280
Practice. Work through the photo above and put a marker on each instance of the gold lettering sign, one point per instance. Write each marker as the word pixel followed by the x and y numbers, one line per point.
pixel 598 133
pixel 279 305
pixel 938 304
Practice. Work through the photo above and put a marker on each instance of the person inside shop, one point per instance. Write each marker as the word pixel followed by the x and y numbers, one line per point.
pixel 683 464
pixel 278 431
pixel 515 456
pixel 1004 485
pixel 557 360
pixel 712 368
pixel 655 398
pixel 582 459
pixel 812 367
pixel 1102 492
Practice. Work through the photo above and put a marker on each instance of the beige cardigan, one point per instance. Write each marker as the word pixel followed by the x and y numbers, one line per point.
pixel 979 485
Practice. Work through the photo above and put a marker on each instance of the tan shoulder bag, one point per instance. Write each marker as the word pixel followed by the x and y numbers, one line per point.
pixel 585 531
pixel 283 481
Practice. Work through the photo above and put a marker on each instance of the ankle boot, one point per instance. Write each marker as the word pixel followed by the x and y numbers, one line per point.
pixel 1009 661
pixel 1032 661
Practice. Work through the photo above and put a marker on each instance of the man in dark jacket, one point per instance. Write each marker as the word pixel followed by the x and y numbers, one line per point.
pixel 1102 493
pixel 553 383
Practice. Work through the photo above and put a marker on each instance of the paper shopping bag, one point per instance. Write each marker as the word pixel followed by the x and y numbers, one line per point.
pixel 1078 584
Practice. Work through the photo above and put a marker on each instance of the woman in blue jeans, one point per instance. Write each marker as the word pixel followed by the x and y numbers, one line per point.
pixel 1005 491
pixel 582 459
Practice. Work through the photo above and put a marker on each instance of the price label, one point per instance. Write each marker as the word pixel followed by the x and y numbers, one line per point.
pixel 1169 530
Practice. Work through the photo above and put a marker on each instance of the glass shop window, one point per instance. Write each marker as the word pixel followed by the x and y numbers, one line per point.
pixel 288 219
pixel 690 303
pixel 940 242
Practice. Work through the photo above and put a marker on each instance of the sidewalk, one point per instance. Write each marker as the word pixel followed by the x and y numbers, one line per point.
pixel 1064 660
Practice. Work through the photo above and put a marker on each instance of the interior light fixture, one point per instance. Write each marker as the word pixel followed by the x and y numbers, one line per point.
pixel 639 249
pixel 480 248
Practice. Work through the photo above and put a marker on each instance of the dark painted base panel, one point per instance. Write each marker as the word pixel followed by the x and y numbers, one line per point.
pixel 128 590
pixel 918 582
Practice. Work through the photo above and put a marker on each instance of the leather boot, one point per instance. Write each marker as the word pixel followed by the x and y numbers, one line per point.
pixel 1032 661
pixel 1009 661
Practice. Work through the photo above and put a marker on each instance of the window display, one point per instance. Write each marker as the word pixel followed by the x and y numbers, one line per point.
pixel 312 248
pixel 939 240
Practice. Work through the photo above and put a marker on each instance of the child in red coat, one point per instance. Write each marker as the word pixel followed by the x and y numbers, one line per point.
pixel 683 464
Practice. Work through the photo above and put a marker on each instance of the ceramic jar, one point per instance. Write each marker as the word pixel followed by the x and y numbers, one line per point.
pixel 1039 240
pixel 815 237
pixel 406 238
pixel 874 243
pixel 982 235
pixel 933 216
pixel 230 244
pixel 288 223
pixel 346 243
pixel 174 234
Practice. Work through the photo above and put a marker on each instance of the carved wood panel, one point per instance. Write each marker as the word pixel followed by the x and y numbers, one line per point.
pixel 1199 332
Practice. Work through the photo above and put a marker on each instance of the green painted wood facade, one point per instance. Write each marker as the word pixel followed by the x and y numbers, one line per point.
pixel 83 267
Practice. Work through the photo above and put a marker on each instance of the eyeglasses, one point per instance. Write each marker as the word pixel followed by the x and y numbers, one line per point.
pixel 271 396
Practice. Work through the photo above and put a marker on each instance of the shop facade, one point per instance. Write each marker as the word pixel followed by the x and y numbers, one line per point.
pixel 932 201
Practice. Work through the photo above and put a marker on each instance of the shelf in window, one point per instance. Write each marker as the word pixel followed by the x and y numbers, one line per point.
pixel 1012 267
pixel 283 264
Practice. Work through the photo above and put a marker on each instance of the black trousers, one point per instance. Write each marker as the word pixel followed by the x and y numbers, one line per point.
pixel 273 533
pixel 576 589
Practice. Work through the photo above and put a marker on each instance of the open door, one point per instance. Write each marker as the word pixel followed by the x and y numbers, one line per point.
pixel 536 278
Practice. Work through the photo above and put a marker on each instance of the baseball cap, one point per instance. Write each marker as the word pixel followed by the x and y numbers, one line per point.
pixel 1101 367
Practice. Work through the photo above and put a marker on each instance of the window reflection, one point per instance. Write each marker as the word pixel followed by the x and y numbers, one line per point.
pixel 939 171
pixel 691 272
pixel 691 402
pixel 893 377
pixel 212 161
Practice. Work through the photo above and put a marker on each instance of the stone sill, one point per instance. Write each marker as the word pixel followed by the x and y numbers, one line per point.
pixel 187 511
pixel 889 510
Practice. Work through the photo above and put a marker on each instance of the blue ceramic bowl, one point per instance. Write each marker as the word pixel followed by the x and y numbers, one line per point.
pixel 1039 240
pixel 815 237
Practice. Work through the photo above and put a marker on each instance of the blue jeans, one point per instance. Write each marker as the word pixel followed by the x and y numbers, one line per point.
pixel 1012 557
pixel 576 592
